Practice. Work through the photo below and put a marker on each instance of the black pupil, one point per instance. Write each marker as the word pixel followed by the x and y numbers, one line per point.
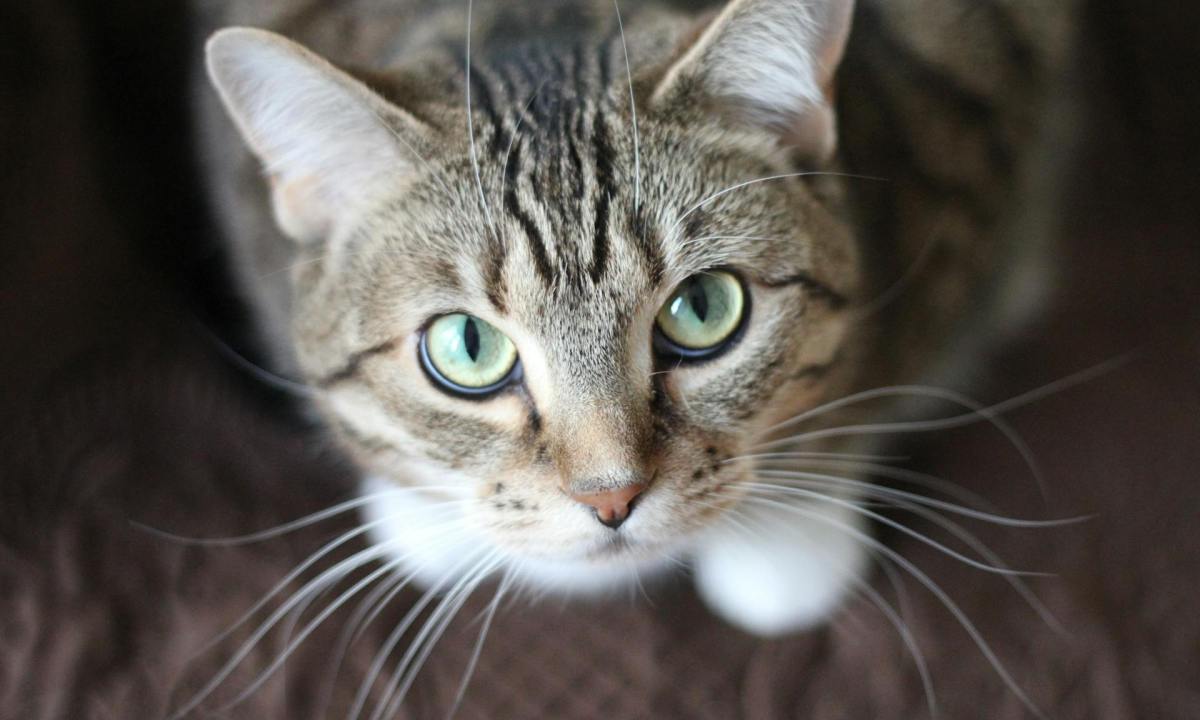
pixel 471 339
pixel 698 299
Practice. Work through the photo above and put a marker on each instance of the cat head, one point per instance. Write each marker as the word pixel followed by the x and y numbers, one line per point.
pixel 567 284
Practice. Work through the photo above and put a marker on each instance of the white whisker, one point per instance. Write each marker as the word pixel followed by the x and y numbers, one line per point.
pixel 990 555
pixel 287 527
pixel 487 211
pixel 637 156
pixel 435 626
pixel 331 575
pixel 979 412
pixel 858 508
pixel 887 492
pixel 505 583
pixel 907 638
pixel 930 585
pixel 364 614
pixel 738 186
pixel 263 375
pixel 436 173
pixel 805 461
pixel 393 639
pixel 291 647
pixel 894 291
pixel 897 500
pixel 299 570
pixel 512 139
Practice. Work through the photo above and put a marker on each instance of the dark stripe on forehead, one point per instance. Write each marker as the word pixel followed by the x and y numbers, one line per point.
pixel 576 170
pixel 512 204
pixel 649 241
pixel 605 62
pixel 493 274
pixel 604 193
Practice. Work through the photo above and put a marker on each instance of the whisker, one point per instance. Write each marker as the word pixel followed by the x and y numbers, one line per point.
pixel 920 537
pixel 487 211
pixel 299 570
pixel 979 412
pixel 437 174
pixel 930 585
pixel 368 609
pixel 815 455
pixel 990 555
pixel 637 157
pixel 512 139
pixel 978 546
pixel 505 583
pixel 332 575
pixel 279 382
pixel 738 186
pixel 923 500
pixel 288 631
pixel 291 577
pixel 906 636
pixel 433 629
pixel 290 648
pixel 990 413
pixel 393 639
pixel 911 477
pixel 287 527
pixel 894 291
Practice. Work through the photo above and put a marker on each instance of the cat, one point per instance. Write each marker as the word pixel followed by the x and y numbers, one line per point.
pixel 589 291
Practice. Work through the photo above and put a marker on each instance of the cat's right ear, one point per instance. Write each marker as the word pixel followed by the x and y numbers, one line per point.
pixel 326 141
pixel 767 65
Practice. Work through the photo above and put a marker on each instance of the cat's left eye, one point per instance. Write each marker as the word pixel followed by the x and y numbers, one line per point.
pixel 467 356
pixel 702 316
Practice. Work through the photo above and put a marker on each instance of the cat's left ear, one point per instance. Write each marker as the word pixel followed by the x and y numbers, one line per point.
pixel 770 65
pixel 326 141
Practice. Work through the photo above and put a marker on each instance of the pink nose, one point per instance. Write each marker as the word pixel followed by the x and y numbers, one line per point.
pixel 611 506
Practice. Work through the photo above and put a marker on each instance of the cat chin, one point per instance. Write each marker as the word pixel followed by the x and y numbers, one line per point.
pixel 595 578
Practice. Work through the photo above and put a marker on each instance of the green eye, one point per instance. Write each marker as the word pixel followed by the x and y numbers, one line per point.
pixel 466 355
pixel 702 315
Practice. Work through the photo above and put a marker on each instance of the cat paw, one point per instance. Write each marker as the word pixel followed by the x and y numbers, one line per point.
pixel 791 574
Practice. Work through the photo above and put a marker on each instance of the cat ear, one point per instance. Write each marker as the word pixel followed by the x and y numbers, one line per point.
pixel 324 138
pixel 768 64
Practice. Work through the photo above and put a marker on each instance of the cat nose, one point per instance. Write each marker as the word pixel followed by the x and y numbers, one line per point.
pixel 612 507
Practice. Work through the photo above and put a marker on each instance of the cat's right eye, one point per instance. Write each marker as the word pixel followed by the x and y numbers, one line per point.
pixel 467 356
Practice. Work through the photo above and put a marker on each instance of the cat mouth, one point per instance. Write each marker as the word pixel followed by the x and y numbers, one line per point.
pixel 617 545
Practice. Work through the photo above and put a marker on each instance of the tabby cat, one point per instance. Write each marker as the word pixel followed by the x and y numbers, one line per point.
pixel 580 286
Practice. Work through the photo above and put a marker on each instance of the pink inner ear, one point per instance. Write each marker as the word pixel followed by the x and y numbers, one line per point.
pixel 300 210
pixel 813 134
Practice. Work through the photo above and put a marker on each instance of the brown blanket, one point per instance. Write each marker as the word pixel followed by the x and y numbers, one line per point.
pixel 117 407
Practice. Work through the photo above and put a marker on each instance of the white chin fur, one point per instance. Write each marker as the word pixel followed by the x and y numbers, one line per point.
pixel 790 576
pixel 432 542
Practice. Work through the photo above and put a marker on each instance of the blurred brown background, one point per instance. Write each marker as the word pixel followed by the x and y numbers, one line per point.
pixel 115 405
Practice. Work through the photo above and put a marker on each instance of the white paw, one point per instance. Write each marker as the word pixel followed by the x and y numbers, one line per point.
pixel 782 572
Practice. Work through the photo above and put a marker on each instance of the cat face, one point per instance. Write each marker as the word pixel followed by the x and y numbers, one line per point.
pixel 567 319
